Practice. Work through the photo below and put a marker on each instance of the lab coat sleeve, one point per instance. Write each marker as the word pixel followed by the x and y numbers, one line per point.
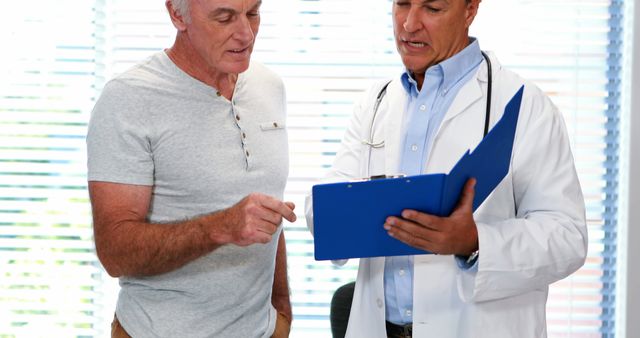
pixel 547 239
pixel 347 163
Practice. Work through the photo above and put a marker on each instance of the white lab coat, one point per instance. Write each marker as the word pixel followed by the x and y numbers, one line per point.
pixel 532 230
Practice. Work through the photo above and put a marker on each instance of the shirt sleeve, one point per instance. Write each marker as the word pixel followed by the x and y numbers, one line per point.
pixel 118 144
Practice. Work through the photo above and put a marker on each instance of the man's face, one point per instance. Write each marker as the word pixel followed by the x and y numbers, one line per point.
pixel 430 31
pixel 223 32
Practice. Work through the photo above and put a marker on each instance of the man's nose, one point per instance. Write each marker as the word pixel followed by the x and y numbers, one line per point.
pixel 412 21
pixel 244 30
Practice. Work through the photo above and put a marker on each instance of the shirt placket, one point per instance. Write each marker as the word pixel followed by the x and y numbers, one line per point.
pixel 246 151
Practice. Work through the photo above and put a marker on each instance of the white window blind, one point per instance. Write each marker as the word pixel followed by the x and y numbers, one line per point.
pixel 48 271
pixel 328 52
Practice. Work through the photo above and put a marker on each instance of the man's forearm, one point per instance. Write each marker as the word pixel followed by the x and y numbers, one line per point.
pixel 133 248
pixel 280 296
pixel 128 245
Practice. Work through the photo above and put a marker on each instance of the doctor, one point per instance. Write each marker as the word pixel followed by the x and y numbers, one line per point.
pixel 492 271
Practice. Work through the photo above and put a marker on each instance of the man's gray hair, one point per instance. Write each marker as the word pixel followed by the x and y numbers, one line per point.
pixel 182 7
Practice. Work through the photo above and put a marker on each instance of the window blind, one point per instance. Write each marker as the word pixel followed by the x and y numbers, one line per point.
pixel 48 271
pixel 327 52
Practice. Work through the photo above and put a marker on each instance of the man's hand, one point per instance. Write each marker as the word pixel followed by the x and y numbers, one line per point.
pixel 453 235
pixel 252 220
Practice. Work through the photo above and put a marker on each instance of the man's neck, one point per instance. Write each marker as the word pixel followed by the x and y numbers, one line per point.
pixel 419 78
pixel 190 62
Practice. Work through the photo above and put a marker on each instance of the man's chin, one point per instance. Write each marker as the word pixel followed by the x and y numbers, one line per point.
pixel 235 67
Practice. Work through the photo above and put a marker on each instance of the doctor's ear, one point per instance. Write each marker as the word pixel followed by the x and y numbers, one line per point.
pixel 472 11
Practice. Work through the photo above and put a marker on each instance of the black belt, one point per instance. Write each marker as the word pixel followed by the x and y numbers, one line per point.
pixel 399 331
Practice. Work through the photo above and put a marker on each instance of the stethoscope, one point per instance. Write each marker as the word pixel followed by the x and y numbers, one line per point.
pixel 372 144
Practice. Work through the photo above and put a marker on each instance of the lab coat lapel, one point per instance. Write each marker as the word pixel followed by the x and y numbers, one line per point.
pixel 468 94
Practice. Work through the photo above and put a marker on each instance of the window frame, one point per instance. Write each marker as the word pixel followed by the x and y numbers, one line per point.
pixel 628 293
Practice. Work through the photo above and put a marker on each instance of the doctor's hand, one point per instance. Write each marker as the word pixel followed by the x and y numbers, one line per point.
pixel 453 235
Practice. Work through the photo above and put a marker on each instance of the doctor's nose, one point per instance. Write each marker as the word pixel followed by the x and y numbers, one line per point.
pixel 412 22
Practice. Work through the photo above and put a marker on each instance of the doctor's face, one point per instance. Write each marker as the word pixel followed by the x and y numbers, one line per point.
pixel 430 31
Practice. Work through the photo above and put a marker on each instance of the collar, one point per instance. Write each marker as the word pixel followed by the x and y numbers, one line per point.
pixel 451 70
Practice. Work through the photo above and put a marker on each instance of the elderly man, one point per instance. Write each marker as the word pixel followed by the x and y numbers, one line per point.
pixel 188 160
pixel 490 271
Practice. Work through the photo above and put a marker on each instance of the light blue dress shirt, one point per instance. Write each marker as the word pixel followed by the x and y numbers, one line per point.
pixel 425 110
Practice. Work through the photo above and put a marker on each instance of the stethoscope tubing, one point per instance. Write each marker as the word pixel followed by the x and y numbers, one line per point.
pixel 375 145
pixel 370 142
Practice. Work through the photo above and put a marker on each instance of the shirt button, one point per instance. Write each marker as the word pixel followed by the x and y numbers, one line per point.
pixel 238 117
pixel 407 313
pixel 218 93
pixel 401 272
pixel 244 135
pixel 423 107
pixel 379 302
pixel 247 152
pixel 414 147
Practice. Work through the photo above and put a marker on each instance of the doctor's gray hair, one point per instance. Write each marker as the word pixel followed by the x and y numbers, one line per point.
pixel 182 7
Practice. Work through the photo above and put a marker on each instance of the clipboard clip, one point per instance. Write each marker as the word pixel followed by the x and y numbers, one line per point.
pixel 378 177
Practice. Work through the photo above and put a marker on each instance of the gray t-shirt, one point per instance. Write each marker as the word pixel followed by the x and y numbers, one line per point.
pixel 155 125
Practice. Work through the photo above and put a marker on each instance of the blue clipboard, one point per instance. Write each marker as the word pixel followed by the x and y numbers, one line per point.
pixel 348 216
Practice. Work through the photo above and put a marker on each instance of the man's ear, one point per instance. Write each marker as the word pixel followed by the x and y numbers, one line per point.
pixel 176 18
pixel 472 11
